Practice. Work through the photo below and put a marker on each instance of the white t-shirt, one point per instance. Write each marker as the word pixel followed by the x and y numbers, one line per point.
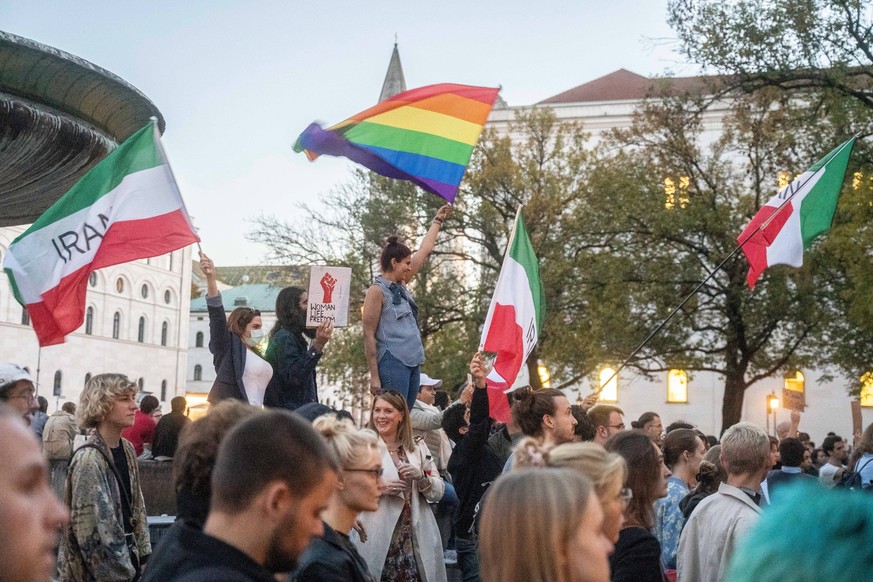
pixel 826 474
pixel 255 378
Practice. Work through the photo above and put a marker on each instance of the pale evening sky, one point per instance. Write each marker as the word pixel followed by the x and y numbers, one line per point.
pixel 238 81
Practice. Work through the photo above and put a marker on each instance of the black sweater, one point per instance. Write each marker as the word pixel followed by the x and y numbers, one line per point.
pixel 473 465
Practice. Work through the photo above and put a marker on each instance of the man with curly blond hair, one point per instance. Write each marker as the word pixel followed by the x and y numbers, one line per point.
pixel 107 537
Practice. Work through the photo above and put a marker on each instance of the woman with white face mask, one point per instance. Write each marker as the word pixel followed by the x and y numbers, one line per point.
pixel 241 371
pixel 292 355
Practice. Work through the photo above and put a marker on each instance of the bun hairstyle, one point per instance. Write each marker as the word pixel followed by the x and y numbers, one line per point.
pixel 393 249
pixel 529 453
pixel 530 406
pixel 347 441
pixel 644 419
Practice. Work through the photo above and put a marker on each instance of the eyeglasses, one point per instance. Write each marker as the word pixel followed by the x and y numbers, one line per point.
pixel 374 472
pixel 626 494
pixel 618 426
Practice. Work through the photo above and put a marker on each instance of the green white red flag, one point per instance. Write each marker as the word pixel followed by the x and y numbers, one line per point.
pixel 788 223
pixel 514 319
pixel 127 207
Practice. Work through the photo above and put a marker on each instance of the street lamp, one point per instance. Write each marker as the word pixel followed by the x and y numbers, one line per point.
pixel 772 406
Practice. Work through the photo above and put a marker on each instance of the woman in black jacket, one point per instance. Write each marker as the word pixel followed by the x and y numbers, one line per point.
pixel 332 556
pixel 241 371
pixel 637 555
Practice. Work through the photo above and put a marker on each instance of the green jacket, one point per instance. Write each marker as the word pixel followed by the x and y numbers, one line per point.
pixel 93 546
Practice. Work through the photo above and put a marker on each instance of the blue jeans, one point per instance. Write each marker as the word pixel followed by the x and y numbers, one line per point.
pixel 395 375
pixel 468 560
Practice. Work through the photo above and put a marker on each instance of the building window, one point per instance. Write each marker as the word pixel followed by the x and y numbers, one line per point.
pixel 92 279
pixel 89 320
pixel 144 291
pixel 57 386
pixel 609 393
pixel 116 325
pixel 677 386
pixel 198 373
pixel 119 285
pixel 87 378
pixel 163 390
pixel 170 268
pixel 198 340
pixel 167 296
pixel 25 317
pixel 140 334
pixel 676 193
pixel 140 383
pixel 867 390
pixel 165 331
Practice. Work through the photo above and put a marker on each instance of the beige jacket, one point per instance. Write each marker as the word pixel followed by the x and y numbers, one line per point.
pixel 380 523
pixel 711 534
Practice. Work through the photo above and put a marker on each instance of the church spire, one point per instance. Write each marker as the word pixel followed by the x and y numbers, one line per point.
pixel 394 82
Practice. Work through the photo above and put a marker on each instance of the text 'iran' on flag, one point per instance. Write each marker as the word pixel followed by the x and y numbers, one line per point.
pixel 514 319
pixel 125 208
pixel 425 135
pixel 788 223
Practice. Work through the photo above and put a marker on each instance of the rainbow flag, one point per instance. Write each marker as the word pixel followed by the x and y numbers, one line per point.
pixel 425 135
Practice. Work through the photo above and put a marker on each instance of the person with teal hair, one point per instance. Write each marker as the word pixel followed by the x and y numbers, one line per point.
pixel 843 546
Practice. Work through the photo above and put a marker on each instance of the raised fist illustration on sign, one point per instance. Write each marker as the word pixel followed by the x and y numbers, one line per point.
pixel 327 285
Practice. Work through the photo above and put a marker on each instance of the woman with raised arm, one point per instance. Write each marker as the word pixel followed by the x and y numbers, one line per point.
pixel 392 340
pixel 403 540
pixel 293 357
pixel 241 371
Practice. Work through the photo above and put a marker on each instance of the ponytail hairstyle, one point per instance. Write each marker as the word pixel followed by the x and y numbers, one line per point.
pixel 348 442
pixel 393 249
pixel 530 406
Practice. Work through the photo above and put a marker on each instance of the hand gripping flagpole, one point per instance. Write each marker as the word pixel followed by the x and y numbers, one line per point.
pixel 717 268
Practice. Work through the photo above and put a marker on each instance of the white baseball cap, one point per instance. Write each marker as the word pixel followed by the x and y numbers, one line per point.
pixel 428 381
pixel 11 373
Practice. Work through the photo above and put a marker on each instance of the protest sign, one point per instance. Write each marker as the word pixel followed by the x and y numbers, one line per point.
pixel 329 296
pixel 793 400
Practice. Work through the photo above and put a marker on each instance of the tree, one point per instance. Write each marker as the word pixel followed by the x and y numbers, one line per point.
pixel 817 54
pixel 814 46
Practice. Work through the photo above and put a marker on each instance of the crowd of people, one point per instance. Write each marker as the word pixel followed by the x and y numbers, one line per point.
pixel 272 485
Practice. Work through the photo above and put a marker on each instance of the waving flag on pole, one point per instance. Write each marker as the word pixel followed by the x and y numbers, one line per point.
pixel 789 222
pixel 514 319
pixel 127 207
pixel 425 135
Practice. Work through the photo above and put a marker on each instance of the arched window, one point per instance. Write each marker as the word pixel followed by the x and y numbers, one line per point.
pixel 87 378
pixel 140 383
pixel 198 373
pixel 140 334
pixel 92 279
pixel 170 268
pixel 119 285
pixel 165 331
pixel 116 325
pixel 57 386
pixel 25 317
pixel 677 386
pixel 163 390
pixel 198 340
pixel 167 296
pixel 144 291
pixel 89 320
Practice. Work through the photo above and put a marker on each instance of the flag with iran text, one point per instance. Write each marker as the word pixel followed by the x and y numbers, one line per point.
pixel 127 207
pixel 789 222
pixel 514 319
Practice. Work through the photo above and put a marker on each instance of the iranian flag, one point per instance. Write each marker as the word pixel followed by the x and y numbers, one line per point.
pixel 786 226
pixel 514 318
pixel 127 207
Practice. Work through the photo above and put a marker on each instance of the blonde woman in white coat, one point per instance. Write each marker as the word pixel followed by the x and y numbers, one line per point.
pixel 403 540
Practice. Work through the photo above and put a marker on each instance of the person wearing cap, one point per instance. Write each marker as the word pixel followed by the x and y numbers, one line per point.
pixel 18 390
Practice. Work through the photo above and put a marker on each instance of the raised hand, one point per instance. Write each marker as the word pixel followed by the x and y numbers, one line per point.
pixel 327 285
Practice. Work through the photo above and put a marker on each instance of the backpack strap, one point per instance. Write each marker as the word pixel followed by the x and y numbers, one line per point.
pixel 112 466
